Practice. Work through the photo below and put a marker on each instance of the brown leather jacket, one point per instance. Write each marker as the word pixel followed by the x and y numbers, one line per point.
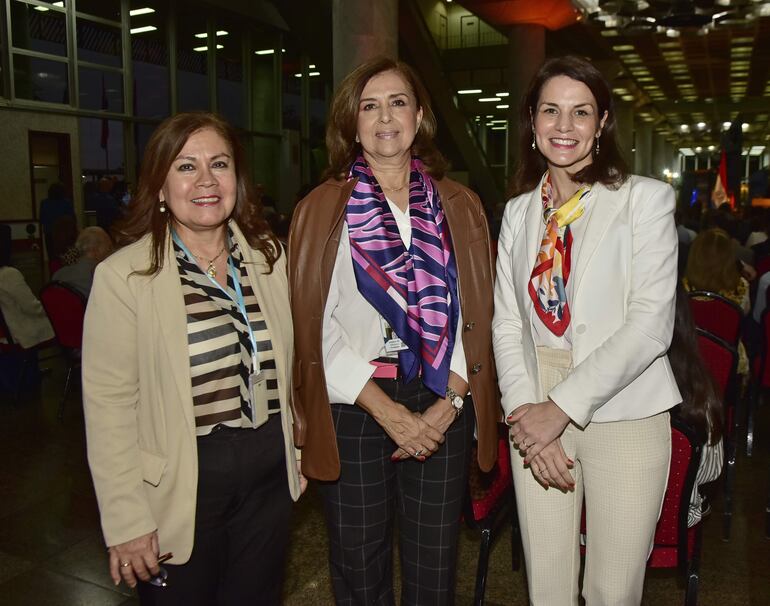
pixel 313 242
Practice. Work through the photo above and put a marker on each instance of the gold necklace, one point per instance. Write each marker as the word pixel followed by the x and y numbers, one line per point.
pixel 211 270
pixel 395 189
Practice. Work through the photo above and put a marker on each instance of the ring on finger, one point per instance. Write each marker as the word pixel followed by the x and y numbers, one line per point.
pixel 125 564
pixel 418 452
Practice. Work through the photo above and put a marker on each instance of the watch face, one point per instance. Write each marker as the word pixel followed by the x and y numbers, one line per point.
pixel 457 402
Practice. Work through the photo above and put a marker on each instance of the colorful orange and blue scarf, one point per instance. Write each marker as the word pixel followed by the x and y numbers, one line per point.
pixel 548 282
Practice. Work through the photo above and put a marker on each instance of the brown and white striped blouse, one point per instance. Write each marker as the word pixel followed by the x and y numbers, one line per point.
pixel 219 345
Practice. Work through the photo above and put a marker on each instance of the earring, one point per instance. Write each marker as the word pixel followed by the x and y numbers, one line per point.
pixel 534 145
pixel 162 206
pixel 357 139
pixel 597 145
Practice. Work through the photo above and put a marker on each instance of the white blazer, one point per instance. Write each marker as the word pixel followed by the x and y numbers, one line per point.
pixel 622 305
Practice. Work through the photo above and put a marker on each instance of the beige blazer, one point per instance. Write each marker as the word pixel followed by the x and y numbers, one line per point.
pixel 622 307
pixel 137 393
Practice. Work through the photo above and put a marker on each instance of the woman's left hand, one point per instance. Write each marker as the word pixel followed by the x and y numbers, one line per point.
pixel 440 416
pixel 534 426
pixel 302 478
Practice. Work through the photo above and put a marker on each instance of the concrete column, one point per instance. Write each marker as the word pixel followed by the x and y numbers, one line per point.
pixel 643 149
pixel 361 30
pixel 624 118
pixel 526 53
pixel 662 156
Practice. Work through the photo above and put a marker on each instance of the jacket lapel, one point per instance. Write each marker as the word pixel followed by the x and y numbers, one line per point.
pixel 608 203
pixel 446 191
pixel 172 315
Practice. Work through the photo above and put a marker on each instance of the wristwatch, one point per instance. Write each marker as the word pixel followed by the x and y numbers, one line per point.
pixel 456 400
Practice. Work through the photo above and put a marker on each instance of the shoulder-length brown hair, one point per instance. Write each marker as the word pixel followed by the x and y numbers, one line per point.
pixel 712 262
pixel 608 166
pixel 144 216
pixel 343 118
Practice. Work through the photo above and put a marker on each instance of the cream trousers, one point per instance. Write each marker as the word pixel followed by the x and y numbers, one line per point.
pixel 622 469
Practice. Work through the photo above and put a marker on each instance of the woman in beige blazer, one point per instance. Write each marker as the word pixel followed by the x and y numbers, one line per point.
pixel 584 312
pixel 186 403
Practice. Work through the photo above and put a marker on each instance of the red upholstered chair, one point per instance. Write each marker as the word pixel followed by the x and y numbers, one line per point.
pixel 66 309
pixel 489 500
pixel 716 314
pixel 675 545
pixel 721 360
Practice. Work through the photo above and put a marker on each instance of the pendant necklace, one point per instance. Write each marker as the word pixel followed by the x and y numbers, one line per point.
pixel 211 270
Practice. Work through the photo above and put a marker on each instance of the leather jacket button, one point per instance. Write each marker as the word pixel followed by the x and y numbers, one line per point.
pixel 475 369
pixel 469 326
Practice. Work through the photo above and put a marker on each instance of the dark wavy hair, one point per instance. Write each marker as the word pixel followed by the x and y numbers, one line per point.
pixel 608 166
pixel 701 407
pixel 144 216
pixel 343 118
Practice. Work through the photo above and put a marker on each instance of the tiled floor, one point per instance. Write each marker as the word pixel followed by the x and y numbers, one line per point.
pixel 51 552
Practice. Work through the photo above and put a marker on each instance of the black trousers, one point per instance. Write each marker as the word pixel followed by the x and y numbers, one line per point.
pixel 241 524
pixel 373 492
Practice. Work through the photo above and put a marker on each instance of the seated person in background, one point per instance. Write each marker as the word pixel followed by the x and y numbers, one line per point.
pixel 701 407
pixel 714 266
pixel 94 245
pixel 23 313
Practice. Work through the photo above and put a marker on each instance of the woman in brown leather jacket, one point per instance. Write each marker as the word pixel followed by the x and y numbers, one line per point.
pixel 391 289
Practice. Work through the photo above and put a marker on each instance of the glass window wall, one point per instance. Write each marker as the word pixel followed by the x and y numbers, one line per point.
pixel 149 54
pixel 192 63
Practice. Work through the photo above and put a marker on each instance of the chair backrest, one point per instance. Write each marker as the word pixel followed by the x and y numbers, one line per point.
pixel 720 357
pixel 66 309
pixel 673 543
pixel 716 314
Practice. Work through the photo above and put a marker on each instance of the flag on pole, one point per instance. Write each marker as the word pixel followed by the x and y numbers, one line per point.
pixel 719 195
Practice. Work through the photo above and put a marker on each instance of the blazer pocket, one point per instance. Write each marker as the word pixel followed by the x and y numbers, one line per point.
pixel 153 467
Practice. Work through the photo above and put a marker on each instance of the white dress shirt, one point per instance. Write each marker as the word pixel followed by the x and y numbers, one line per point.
pixel 352 330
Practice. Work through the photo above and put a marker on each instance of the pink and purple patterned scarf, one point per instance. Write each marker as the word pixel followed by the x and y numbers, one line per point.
pixel 411 289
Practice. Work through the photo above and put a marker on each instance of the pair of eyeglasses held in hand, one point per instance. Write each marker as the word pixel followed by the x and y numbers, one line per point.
pixel 159 580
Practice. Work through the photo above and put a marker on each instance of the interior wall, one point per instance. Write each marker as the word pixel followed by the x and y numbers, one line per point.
pixel 16 201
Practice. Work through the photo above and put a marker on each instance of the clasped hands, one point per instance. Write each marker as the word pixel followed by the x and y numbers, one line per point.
pixel 419 435
pixel 535 430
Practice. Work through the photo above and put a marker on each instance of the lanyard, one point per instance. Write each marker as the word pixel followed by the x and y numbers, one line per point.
pixel 239 302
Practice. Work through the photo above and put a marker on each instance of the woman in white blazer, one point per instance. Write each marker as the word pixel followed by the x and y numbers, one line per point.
pixel 584 310
pixel 186 363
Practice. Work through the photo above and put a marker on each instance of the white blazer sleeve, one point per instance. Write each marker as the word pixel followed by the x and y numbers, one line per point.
pixel 110 398
pixel 515 384
pixel 649 316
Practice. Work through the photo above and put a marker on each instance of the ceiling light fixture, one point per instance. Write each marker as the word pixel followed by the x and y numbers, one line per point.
pixel 469 91
pixel 489 100
pixel 143 29
pixel 141 11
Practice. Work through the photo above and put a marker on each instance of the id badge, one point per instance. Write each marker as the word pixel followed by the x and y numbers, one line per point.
pixel 392 343
pixel 258 394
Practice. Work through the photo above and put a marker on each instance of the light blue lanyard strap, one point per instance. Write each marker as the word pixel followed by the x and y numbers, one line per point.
pixel 239 302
